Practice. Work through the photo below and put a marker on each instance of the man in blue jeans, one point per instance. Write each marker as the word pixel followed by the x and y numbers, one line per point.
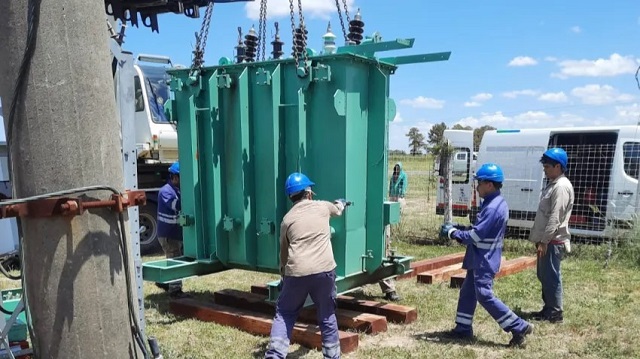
pixel 484 242
pixel 307 267
pixel 550 232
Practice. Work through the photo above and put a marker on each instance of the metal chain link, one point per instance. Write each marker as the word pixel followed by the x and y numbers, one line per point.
pixel 293 31
pixel 346 10
pixel 201 39
pixel 303 27
pixel 262 30
pixel 344 30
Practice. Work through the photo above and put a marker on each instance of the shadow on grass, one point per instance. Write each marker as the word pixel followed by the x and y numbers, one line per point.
pixel 259 352
pixel 443 337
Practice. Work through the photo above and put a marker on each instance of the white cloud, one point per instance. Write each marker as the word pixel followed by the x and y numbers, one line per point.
pixel 482 97
pixel 600 95
pixel 551 59
pixel 523 61
pixel 629 114
pixel 553 97
pixel 514 94
pixel 398 118
pixel 576 29
pixel 472 104
pixel 423 102
pixel 613 66
pixel 322 9
pixel 529 119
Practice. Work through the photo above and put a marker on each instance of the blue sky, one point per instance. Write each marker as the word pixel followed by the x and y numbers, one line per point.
pixel 514 64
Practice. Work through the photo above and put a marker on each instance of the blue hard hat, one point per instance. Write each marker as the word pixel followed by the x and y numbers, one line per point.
pixel 296 182
pixel 556 154
pixel 174 169
pixel 490 172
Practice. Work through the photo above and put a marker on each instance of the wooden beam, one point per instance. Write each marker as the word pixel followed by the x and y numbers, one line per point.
pixel 432 263
pixel 347 319
pixel 507 268
pixel 393 312
pixel 256 323
pixel 441 274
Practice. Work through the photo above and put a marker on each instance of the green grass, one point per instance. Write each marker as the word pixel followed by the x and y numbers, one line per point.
pixel 602 305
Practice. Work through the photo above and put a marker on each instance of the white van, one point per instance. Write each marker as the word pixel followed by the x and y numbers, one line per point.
pixel 604 164
pixel 463 167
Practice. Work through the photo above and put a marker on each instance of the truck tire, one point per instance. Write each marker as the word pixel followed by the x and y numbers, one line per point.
pixel 149 229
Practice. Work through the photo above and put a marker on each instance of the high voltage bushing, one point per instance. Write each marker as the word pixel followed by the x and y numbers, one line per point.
pixel 300 41
pixel 356 29
pixel 277 44
pixel 251 42
pixel 241 50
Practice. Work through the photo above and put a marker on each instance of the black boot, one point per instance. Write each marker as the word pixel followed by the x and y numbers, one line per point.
pixel 392 297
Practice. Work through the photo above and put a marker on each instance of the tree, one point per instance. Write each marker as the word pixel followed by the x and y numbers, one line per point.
pixel 416 141
pixel 458 126
pixel 436 134
pixel 477 135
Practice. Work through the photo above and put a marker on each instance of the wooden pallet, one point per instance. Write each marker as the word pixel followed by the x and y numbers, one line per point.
pixel 250 312
pixel 507 268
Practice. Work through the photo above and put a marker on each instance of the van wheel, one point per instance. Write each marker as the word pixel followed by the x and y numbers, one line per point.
pixel 149 229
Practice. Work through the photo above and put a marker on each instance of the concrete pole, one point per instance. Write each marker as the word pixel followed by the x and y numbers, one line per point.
pixel 66 135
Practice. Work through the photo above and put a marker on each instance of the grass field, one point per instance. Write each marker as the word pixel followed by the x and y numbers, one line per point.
pixel 602 305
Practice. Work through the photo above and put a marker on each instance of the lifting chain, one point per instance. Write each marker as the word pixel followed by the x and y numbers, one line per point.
pixel 299 39
pixel 201 39
pixel 262 30
pixel 346 12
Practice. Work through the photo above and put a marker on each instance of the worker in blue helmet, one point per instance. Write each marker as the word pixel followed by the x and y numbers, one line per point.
pixel 307 267
pixel 484 241
pixel 550 232
pixel 169 232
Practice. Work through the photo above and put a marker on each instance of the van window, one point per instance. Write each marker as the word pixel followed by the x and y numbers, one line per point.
pixel 139 96
pixel 461 156
pixel 631 151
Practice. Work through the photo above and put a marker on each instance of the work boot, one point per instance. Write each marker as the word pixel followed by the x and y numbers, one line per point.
pixel 541 315
pixel 555 317
pixel 519 340
pixel 392 297
pixel 458 335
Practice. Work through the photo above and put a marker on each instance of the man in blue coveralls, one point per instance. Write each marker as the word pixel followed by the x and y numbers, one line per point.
pixel 484 242
pixel 169 232
pixel 307 267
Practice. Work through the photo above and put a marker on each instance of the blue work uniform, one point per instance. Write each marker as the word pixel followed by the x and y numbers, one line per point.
pixel 482 259
pixel 168 209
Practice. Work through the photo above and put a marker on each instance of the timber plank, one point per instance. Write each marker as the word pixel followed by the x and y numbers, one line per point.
pixel 441 274
pixel 432 263
pixel 507 268
pixel 256 323
pixel 347 319
pixel 393 312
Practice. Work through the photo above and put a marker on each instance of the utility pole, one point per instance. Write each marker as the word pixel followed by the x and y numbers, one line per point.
pixel 66 135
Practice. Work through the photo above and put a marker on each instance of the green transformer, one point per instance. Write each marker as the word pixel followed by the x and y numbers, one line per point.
pixel 243 128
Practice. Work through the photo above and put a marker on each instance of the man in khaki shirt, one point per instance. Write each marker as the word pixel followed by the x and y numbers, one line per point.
pixel 307 267
pixel 550 233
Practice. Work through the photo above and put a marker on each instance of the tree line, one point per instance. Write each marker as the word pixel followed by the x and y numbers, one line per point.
pixel 436 135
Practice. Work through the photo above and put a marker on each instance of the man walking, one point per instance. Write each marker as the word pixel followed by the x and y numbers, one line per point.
pixel 307 267
pixel 550 233
pixel 482 259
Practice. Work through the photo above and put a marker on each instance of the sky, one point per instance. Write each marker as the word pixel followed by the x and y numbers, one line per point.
pixel 514 64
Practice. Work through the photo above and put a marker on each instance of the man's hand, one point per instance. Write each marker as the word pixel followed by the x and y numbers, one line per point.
pixel 541 249
pixel 445 230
